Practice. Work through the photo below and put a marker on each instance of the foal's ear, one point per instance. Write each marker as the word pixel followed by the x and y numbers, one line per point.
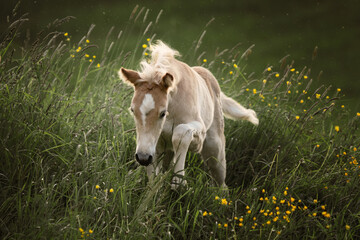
pixel 128 76
pixel 167 81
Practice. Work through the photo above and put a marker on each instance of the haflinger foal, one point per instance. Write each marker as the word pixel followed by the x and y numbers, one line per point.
pixel 178 108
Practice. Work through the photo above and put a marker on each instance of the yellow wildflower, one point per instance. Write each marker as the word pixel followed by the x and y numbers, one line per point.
pixel 264 81
pixel 91 231
pixel 205 213
pixel 231 72
pixel 318 96
pixel 68 39
pixel 224 201
pixel 292 70
pixel 339 89
pixel 358 114
pixel 205 60
pixel 337 128
pixel 144 46
pixel 94 56
pixel 235 66
pixel 240 224
pixel 111 190
pixel 347 227
pixel 98 65
pixel 216 198
pixel 285 193
pixel 87 55
pixel 148 39
pixel 269 69
pixel 297 117
pixel 315 201
pixel 81 230
pixel 87 40
pixel 97 186
pixel 301 101
pixel 66 34
pixel 277 75
pixel 305 77
pixel 254 90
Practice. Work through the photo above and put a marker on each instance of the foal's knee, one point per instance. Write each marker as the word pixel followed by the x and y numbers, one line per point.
pixel 182 135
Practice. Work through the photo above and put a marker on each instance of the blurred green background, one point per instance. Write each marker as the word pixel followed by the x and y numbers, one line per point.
pixel 277 28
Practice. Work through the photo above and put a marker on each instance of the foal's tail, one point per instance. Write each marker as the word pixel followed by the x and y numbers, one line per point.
pixel 235 111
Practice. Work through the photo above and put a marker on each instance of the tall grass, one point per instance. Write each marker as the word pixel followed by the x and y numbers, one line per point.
pixel 67 145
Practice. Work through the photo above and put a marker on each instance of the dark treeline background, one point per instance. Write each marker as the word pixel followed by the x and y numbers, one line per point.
pixel 277 28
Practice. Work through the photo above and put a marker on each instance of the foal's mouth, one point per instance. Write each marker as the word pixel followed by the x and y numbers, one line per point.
pixel 144 159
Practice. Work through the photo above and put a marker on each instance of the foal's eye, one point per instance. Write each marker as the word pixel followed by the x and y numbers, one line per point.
pixel 163 114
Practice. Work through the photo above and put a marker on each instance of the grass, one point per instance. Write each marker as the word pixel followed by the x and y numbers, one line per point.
pixel 67 145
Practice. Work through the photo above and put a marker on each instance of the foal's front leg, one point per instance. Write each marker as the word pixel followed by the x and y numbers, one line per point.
pixel 183 136
pixel 152 171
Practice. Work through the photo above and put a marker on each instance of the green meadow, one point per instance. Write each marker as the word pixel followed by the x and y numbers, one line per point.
pixel 67 143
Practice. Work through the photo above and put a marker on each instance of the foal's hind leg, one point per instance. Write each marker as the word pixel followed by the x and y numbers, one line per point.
pixel 213 153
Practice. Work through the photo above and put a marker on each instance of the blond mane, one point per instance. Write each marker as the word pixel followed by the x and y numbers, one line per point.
pixel 160 63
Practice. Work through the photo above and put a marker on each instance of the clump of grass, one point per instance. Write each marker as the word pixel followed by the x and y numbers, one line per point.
pixel 67 144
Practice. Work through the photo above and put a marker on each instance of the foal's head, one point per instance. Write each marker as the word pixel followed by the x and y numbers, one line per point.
pixel 149 107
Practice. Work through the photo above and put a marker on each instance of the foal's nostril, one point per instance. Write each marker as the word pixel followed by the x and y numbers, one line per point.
pixel 143 158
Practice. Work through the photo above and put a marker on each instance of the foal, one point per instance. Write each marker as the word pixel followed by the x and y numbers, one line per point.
pixel 179 108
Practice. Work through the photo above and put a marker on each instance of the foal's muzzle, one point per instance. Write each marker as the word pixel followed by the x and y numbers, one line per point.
pixel 144 159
